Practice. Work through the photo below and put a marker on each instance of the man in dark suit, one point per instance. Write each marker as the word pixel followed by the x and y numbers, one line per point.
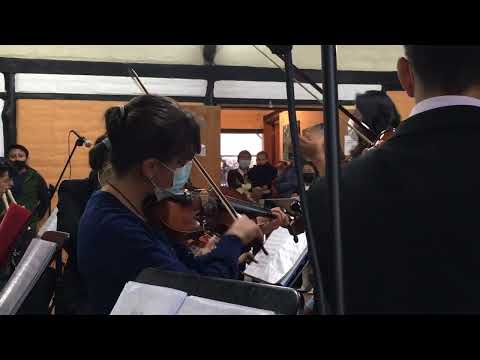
pixel 410 209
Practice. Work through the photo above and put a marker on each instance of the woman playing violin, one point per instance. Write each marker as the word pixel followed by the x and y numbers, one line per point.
pixel 152 142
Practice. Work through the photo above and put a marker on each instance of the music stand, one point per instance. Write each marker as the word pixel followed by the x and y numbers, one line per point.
pixel 32 265
pixel 280 300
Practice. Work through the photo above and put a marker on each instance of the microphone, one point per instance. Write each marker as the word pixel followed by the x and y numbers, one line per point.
pixel 82 140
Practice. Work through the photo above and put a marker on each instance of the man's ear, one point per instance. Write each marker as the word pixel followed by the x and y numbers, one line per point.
pixel 405 76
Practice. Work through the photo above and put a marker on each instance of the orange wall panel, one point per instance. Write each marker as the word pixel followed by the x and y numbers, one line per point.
pixel 308 119
pixel 243 119
pixel 43 125
pixel 403 102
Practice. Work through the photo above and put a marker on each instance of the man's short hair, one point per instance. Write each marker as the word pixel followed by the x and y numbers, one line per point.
pixel 244 152
pixel 19 147
pixel 449 69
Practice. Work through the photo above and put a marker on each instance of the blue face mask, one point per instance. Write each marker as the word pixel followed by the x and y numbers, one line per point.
pixel 180 178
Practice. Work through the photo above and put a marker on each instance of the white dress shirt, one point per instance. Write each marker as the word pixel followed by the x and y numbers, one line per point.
pixel 442 101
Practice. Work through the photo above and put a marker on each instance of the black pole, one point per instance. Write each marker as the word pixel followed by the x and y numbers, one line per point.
pixel 367 132
pixel 332 156
pixel 319 293
pixel 78 143
pixel 9 113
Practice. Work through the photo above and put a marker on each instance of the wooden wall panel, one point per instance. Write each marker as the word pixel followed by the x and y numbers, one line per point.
pixel 210 133
pixel 403 102
pixel 243 119
pixel 43 127
pixel 308 119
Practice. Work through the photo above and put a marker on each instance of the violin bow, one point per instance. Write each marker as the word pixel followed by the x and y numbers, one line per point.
pixel 231 211
pixel 297 71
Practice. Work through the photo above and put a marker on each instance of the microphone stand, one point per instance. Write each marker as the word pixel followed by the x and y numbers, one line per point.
pixel 80 141
pixel 58 257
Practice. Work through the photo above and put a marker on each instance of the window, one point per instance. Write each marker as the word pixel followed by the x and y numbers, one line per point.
pixel 231 143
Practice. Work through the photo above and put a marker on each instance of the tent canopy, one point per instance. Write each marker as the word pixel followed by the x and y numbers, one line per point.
pixel 350 57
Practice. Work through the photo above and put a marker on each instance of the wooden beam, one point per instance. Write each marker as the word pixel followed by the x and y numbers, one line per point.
pixel 9 113
pixel 216 73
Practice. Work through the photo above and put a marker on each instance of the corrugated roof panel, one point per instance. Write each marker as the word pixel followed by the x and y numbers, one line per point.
pixel 349 57
pixel 107 85
pixel 277 90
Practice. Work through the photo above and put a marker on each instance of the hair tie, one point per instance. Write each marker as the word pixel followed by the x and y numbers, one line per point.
pixel 107 143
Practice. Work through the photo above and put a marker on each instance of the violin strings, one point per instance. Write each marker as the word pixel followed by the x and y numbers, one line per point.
pixel 217 191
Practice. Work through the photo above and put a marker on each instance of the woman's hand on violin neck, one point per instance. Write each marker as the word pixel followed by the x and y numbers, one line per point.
pixel 268 225
pixel 247 230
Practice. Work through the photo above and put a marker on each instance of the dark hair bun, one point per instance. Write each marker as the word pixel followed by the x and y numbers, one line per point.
pixel 115 123
pixel 150 126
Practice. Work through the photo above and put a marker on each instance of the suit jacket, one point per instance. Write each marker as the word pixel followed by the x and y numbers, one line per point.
pixel 262 175
pixel 410 219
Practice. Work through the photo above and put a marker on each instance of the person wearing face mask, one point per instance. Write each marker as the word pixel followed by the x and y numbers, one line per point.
pixel 29 187
pixel 262 175
pixel 237 179
pixel 152 142
pixel 310 173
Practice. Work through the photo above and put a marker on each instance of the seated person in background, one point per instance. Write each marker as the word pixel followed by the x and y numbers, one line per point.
pixel 286 182
pixel 262 175
pixel 6 182
pixel 29 187
pixel 310 173
pixel 237 179
pixel 223 173
pixel 151 137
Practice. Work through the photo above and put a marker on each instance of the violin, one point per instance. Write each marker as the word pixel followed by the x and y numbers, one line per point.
pixel 191 212
pixel 183 216
pixel 188 216
pixel 385 135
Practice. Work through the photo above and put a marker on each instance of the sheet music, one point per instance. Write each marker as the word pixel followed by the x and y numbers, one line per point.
pixel 50 224
pixel 145 299
pixel 194 305
pixel 284 253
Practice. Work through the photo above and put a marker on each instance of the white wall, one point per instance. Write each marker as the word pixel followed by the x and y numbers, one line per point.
pixel 110 85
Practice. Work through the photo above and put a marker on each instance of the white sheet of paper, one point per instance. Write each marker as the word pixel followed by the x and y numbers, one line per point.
pixel 194 305
pixel 284 253
pixel 145 299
